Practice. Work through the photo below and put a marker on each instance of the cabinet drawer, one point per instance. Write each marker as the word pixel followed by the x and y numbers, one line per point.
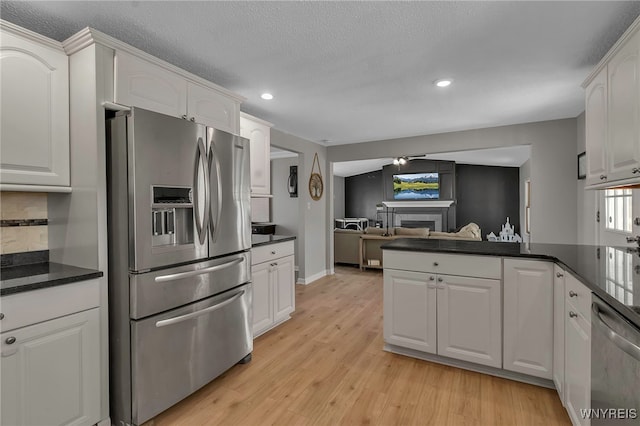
pixel 450 264
pixel 271 252
pixel 578 297
pixel 31 307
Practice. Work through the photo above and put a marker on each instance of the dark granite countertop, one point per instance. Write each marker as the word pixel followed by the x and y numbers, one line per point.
pixel 263 240
pixel 612 273
pixel 34 276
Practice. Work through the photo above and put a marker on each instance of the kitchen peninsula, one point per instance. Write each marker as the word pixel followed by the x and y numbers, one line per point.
pixel 520 311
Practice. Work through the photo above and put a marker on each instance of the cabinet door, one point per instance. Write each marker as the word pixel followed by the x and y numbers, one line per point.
pixel 624 111
pixel 260 137
pixel 528 317
pixel 577 366
pixel 51 373
pixel 146 85
pixel 262 298
pixel 283 286
pixel 34 124
pixel 410 310
pixel 558 330
pixel 470 319
pixel 596 128
pixel 212 109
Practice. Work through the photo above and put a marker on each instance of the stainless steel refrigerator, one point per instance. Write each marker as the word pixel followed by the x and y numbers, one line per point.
pixel 179 262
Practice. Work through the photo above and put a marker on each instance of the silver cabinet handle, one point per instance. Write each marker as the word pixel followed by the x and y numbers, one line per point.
pixel 627 346
pixel 10 340
pixel 210 269
pixel 435 263
pixel 431 278
pixel 184 116
pixel 559 275
pixel 572 314
pixel 603 177
pixel 635 170
pixel 440 279
pixel 195 314
pixel 192 119
pixel 273 252
pixel 573 293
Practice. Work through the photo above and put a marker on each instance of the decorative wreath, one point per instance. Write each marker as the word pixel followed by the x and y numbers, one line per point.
pixel 316 186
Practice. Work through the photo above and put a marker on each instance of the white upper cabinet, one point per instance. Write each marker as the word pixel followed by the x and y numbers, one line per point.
pixel 259 133
pixel 612 115
pixel 146 84
pixel 209 107
pixel 624 111
pixel 596 128
pixel 34 124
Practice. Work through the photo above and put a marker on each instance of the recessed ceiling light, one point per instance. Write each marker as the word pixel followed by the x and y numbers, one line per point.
pixel 266 96
pixel 443 82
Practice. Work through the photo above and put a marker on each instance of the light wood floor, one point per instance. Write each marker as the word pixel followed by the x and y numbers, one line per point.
pixel 326 366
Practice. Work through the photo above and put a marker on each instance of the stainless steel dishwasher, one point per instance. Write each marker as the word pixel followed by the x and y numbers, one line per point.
pixel 615 368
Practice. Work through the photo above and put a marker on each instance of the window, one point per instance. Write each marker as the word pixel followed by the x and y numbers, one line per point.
pixel 619 279
pixel 618 209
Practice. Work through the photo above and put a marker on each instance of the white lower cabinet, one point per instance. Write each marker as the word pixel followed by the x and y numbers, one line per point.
pixel 453 316
pixel 410 310
pixel 50 372
pixel 528 317
pixel 470 319
pixel 577 386
pixel 272 273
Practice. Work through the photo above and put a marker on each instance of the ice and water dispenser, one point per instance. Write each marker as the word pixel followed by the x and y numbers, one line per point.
pixel 171 216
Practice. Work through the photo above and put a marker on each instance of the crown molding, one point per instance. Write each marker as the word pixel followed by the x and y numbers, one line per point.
pixel 30 35
pixel 89 36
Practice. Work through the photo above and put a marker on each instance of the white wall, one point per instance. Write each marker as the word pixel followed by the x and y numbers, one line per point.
pixel 338 196
pixel 586 200
pixel 284 209
pixel 313 223
pixel 525 174
pixel 553 166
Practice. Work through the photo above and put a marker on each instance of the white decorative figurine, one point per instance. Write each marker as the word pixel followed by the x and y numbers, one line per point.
pixel 507 234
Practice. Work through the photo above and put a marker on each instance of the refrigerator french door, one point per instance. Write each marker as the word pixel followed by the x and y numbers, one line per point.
pixel 179 262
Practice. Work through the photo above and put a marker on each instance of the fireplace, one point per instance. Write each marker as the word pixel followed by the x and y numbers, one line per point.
pixel 419 220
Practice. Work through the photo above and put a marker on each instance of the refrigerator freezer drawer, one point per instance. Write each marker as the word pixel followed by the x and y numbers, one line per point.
pixel 178 352
pixel 158 291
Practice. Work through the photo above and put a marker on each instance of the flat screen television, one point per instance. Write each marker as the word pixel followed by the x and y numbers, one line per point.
pixel 416 186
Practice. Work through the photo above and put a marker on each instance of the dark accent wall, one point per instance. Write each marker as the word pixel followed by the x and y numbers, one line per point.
pixel 446 170
pixel 487 195
pixel 362 193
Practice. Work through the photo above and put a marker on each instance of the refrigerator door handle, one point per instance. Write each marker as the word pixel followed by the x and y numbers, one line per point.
pixel 214 159
pixel 210 269
pixel 201 222
pixel 195 314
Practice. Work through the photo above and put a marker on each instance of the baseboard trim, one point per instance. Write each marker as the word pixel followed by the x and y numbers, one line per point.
pixel 312 278
pixel 492 371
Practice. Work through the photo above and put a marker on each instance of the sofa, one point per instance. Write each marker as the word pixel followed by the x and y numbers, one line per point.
pixel 362 248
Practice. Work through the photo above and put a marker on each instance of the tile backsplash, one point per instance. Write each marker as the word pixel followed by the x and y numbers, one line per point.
pixel 23 222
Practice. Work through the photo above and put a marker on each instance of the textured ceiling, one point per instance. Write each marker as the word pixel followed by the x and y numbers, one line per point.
pixel 358 71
